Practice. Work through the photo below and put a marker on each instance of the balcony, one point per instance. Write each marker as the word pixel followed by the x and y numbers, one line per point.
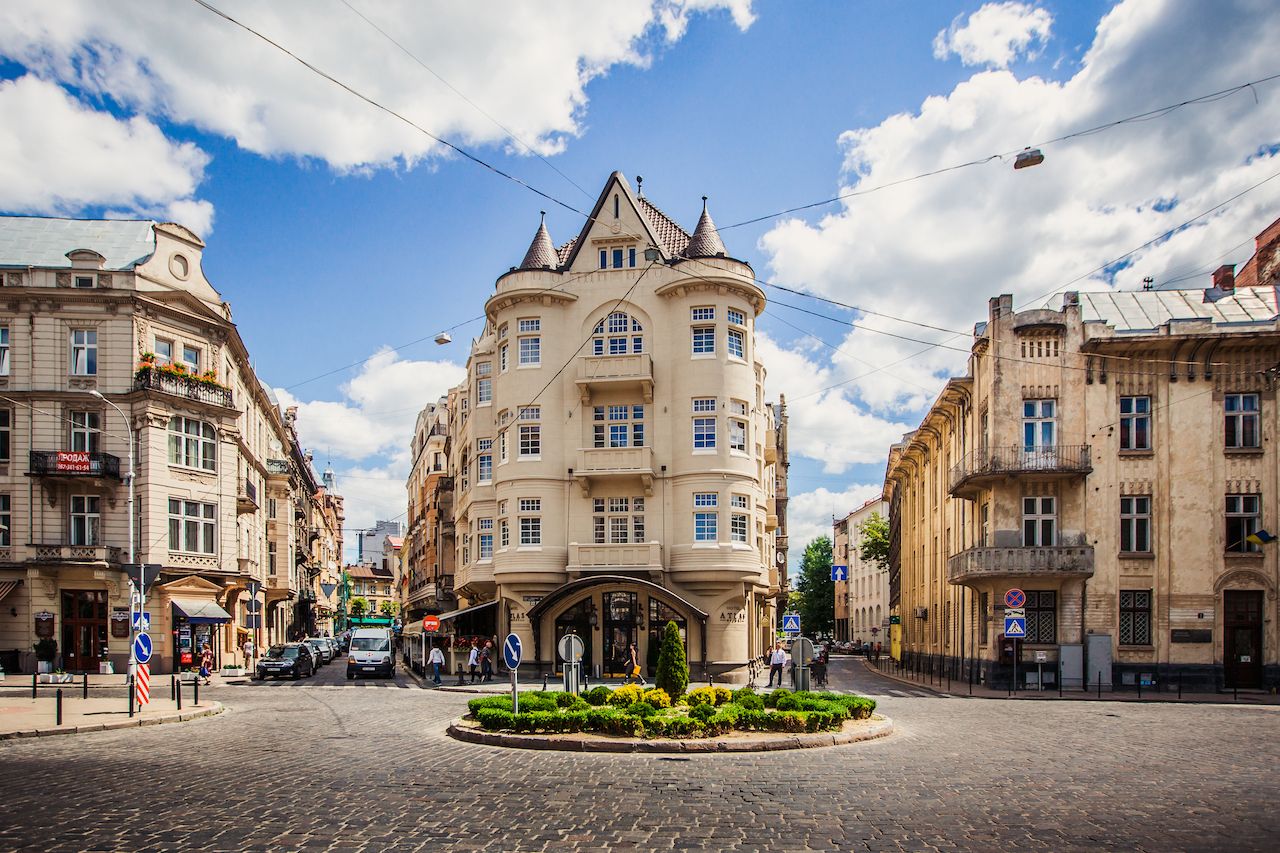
pixel 640 556
pixel 1063 562
pixel 73 463
pixel 615 373
pixel 983 467
pixel 600 463
pixel 77 555
pixel 247 499
pixel 278 467
pixel 148 379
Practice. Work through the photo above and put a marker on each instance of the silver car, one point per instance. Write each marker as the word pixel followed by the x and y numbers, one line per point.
pixel 323 653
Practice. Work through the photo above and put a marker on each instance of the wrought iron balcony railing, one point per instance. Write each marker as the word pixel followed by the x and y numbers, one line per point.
pixel 992 463
pixel 1060 561
pixel 73 463
pixel 148 379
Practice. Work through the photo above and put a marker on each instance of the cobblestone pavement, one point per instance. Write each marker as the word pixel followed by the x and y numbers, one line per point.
pixel 324 764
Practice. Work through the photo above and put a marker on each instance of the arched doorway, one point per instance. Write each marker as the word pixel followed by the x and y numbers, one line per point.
pixel 575 620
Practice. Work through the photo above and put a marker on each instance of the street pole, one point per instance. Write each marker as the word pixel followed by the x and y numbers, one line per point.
pixel 142 591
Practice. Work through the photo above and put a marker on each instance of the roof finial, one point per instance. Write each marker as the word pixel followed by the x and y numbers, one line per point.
pixel 640 185
pixel 544 217
pixel 704 204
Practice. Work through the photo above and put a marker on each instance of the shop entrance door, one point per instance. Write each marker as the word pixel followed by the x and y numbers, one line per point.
pixel 84 629
pixel 575 620
pixel 619 631
pixel 1242 637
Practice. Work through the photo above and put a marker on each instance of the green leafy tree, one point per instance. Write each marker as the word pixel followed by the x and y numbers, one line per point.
pixel 673 663
pixel 817 592
pixel 358 606
pixel 873 544
pixel 389 608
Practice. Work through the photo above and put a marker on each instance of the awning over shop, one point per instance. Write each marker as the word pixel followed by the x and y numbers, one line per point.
pixel 201 611
pixel 7 587
pixel 454 614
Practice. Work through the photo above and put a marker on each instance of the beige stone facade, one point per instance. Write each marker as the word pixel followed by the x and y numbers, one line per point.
pixel 1110 459
pixel 613 458
pixel 429 551
pixel 123 309
pixel 862 602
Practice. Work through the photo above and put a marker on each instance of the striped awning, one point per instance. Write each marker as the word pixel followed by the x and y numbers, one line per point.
pixel 7 587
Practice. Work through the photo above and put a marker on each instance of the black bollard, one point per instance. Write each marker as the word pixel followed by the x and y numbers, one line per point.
pixel 86 685
pixel 1099 684
pixel 173 688
pixel 34 682
pixel 129 687
pixel 58 706
pixel 179 695
pixel 461 683
pixel 1139 680
pixel 544 682
pixel 196 692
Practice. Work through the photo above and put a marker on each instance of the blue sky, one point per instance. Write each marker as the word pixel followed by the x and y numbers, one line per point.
pixel 336 233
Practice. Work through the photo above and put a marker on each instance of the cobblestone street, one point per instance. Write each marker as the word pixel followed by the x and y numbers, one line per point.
pixel 325 764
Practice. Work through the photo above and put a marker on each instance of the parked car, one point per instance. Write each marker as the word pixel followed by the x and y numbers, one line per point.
pixel 320 649
pixel 292 659
pixel 370 653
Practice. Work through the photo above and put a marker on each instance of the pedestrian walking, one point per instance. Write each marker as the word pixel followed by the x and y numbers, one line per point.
pixel 486 661
pixel 631 667
pixel 206 663
pixel 777 661
pixel 473 661
pixel 437 663
pixel 248 654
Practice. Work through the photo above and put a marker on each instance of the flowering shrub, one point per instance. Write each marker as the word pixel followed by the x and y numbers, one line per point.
pixel 626 695
pixel 657 697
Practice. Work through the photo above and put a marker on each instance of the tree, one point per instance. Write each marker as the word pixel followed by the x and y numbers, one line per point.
pixel 673 663
pixel 389 608
pixel 817 592
pixel 358 606
pixel 873 546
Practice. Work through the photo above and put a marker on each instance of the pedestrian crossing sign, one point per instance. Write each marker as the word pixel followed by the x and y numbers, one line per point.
pixel 1015 627
pixel 791 623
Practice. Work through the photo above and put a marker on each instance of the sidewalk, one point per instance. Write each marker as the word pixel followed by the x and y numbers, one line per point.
pixel 27 717
pixel 979 691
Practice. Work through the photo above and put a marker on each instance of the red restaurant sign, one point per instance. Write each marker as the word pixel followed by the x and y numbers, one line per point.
pixel 73 461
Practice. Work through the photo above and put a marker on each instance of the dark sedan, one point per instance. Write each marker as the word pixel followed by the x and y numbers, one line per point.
pixel 292 659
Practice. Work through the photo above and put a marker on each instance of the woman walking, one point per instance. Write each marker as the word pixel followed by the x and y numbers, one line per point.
pixel 632 667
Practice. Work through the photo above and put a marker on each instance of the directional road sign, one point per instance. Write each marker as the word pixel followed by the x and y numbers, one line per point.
pixel 802 650
pixel 791 623
pixel 570 648
pixel 511 651
pixel 1015 598
pixel 839 573
pixel 1015 627
pixel 142 648
pixel 141 621
pixel 1015 613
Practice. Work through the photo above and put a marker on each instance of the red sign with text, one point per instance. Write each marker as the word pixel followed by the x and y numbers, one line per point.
pixel 73 461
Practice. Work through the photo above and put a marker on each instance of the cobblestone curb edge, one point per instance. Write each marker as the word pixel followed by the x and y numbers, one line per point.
pixel 215 708
pixel 878 728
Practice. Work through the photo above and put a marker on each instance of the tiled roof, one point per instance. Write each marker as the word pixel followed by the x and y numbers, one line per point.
pixel 39 241
pixel 565 251
pixel 705 242
pixel 674 238
pixel 1132 311
pixel 396 541
pixel 542 252
pixel 369 572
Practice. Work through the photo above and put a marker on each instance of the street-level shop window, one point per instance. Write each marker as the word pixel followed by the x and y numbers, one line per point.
pixel 1039 522
pixel 1135 524
pixel 192 443
pixel 1244 518
pixel 1242 417
pixel 86 431
pixel 1042 616
pixel 84 352
pixel 192 526
pixel 86 522
pixel 1135 423
pixel 1135 617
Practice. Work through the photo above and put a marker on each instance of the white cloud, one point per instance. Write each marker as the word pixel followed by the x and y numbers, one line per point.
pixel 370 494
pixel 809 514
pixel 57 156
pixel 995 34
pixel 934 250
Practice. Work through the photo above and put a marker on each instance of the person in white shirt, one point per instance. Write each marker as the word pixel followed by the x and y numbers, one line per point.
pixel 248 655
pixel 777 661
pixel 437 663
pixel 473 661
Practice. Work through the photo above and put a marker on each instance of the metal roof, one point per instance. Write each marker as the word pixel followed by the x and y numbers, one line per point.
pixel 37 241
pixel 1131 311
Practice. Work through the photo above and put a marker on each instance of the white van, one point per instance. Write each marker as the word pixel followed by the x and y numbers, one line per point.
pixel 370 653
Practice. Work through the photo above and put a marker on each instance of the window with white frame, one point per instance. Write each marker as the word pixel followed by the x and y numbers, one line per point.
pixel 192 526
pixel 484 540
pixel 704 423
pixel 484 368
pixel 739 521
pixel 737 344
pixel 618 520
pixel 502 358
pixel 1135 524
pixel 6 521
pixel 703 313
pixel 502 447
pixel 1135 423
pixel 484 460
pixel 531 504
pixel 530 441
pixel 86 522
pixel 530 351
pixel 738 426
pixel 618 425
pixel 531 413
pixel 1039 522
pixel 1039 424
pixel 504 534
pixel 484 392
pixel 704 340
pixel 272 566
pixel 1244 518
pixel 617 334
pixel 736 318
pixel 502 331
pixel 192 443
pixel 1242 417
pixel 84 352
pixel 164 351
pixel 704 517
pixel 6 433
pixel 530 324
pixel 86 431
pixel 4 350
pixel 530 530
pixel 191 358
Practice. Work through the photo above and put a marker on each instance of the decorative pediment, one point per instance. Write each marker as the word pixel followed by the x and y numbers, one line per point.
pixel 192 585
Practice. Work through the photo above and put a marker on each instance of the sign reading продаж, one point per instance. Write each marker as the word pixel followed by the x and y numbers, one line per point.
pixel 72 461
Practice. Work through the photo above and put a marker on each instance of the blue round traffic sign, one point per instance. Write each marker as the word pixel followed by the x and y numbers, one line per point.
pixel 142 648
pixel 511 651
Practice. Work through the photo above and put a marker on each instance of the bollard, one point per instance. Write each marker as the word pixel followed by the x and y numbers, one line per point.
pixel 544 682
pixel 1139 680
pixel 1099 684
pixel 129 686
pixel 461 683
pixel 34 682
pixel 195 696
pixel 58 706
pixel 1059 679
pixel 86 685
pixel 179 695
pixel 1179 687
pixel 173 688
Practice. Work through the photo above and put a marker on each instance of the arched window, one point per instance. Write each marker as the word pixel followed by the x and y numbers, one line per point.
pixel 617 334
pixel 192 443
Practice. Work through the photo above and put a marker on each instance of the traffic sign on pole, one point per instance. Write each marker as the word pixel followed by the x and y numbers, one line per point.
pixel 142 648
pixel 839 573
pixel 142 683
pixel 511 651
pixel 1015 627
pixel 570 648
pixel 1015 598
pixel 431 623
pixel 791 623
pixel 141 621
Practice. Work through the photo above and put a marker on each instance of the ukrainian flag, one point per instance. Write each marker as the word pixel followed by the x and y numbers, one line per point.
pixel 1260 538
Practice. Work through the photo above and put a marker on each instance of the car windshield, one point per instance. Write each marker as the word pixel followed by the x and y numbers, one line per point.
pixel 282 652
pixel 369 644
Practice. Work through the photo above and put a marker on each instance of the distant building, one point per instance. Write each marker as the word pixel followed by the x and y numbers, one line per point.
pixel 372 539
pixel 862 602
pixel 428 541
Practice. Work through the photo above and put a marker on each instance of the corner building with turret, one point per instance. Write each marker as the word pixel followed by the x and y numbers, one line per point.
pixel 615 463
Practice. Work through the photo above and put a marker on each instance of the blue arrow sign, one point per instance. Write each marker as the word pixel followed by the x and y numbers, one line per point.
pixel 511 651
pixel 839 573
pixel 1015 626
pixel 791 623
pixel 142 648
pixel 141 621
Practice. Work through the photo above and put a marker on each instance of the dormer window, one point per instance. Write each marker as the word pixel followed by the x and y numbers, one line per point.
pixel 85 281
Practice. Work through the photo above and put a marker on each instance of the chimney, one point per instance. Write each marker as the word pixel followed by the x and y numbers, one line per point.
pixel 1224 278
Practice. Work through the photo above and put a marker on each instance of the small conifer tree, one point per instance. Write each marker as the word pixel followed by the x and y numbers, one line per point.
pixel 673 663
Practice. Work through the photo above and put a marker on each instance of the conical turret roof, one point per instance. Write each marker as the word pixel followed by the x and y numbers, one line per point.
pixel 542 252
pixel 705 242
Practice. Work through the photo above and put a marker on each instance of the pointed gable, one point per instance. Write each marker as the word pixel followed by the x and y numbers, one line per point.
pixel 621 218
pixel 706 242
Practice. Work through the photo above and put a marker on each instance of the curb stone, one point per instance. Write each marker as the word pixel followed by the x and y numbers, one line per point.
pixel 183 717
pixel 879 727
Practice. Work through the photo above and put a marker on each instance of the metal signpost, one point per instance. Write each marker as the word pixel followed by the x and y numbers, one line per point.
pixel 839 573
pixel 140 652
pixel 511 652
pixel 791 623
pixel 801 655
pixel 571 648
pixel 1015 624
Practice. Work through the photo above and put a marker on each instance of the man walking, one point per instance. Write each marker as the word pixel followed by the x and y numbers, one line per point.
pixel 437 663
pixel 473 661
pixel 777 661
